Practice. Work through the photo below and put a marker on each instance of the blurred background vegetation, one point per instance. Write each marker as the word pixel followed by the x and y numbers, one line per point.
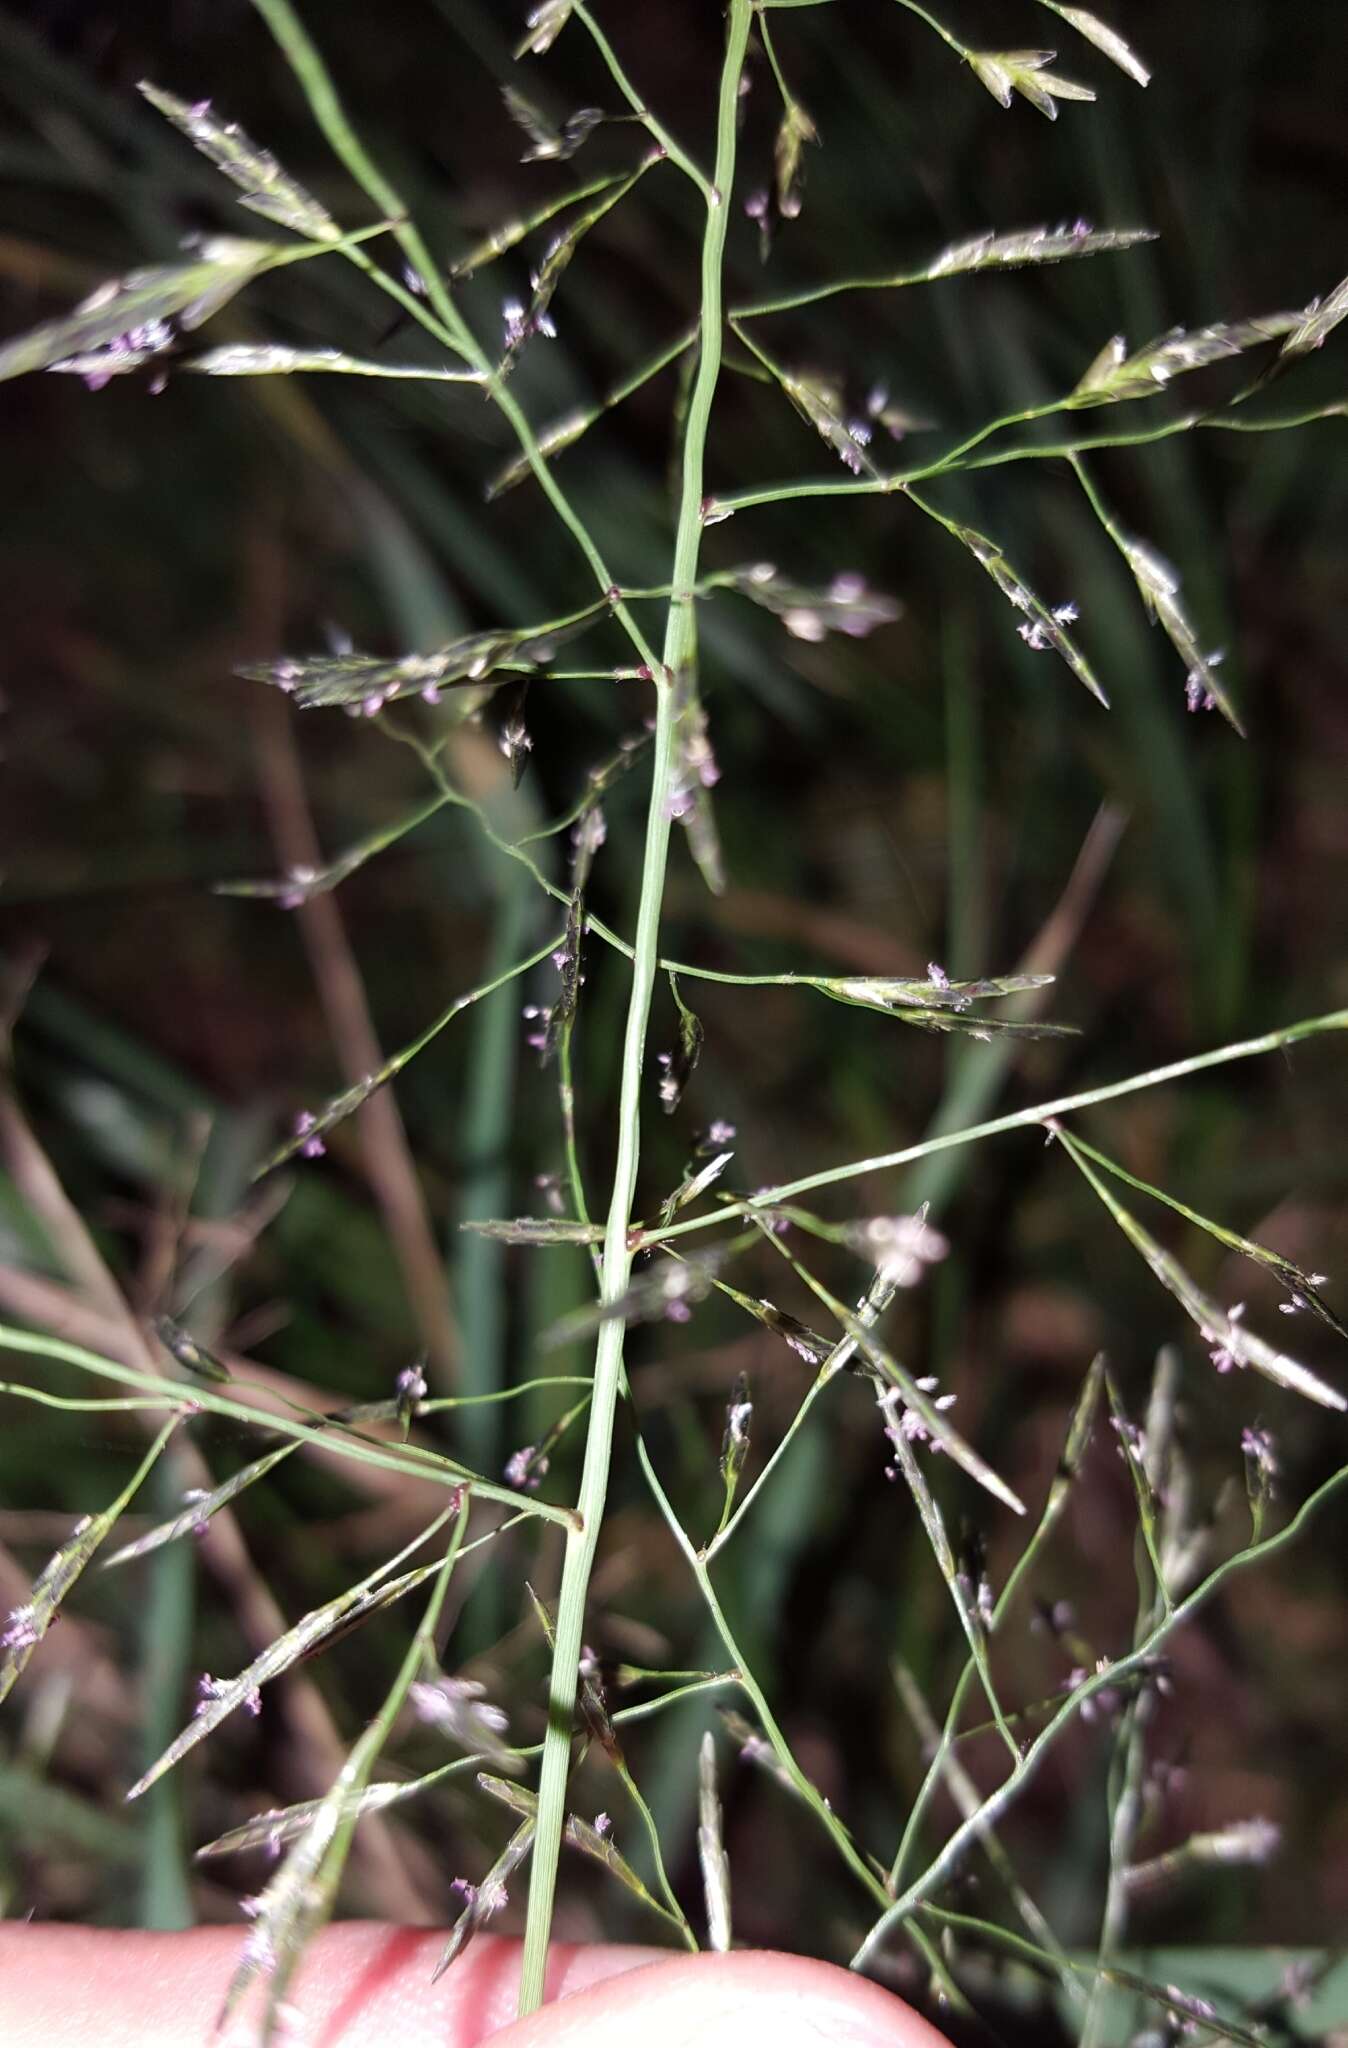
pixel 936 791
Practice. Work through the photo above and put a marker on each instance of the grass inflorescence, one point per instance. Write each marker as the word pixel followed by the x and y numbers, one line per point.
pixel 653 1254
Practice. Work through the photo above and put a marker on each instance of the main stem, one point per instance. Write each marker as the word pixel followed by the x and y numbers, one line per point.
pixel 680 649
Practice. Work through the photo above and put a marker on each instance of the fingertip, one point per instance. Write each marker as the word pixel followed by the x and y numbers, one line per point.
pixel 369 1984
pixel 727 2001
pixel 363 1985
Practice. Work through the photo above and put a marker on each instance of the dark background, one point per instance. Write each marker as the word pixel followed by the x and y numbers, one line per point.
pixel 924 793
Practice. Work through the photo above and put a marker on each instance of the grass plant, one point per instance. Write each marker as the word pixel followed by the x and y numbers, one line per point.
pixel 642 1254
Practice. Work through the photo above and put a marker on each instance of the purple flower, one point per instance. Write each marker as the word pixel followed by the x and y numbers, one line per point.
pixel 21 1630
pixel 524 1468
pixel 306 1127
pixel 411 1384
pixel 211 1689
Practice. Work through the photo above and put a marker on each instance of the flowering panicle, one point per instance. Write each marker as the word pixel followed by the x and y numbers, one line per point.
pixel 902 1420
pixel 184 1347
pixel 1116 375
pixel 676 1068
pixel 212 1690
pixel 458 1709
pixel 484 1900
pixel 795 130
pixel 820 400
pixel 549 144
pixel 264 187
pixel 695 775
pixel 697 1179
pixel 1043 627
pixel 1105 39
pixel 133 318
pixel 735 1442
pixel 667 1291
pixel 899 1247
pixel 1160 586
pixel 124 353
pixel 1317 323
pixel 545 23
pixel 846 606
pixel 1006 72
pixel 993 251
pixel 366 683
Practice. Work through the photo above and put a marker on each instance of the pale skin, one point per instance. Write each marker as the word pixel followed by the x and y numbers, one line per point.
pixel 364 1984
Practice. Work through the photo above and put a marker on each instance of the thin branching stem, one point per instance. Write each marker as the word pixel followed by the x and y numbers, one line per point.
pixel 1014 1120
pixel 972 455
pixel 636 102
pixel 965 1794
pixel 678 654
pixel 827 1373
pixel 1078 1436
pixel 933 23
pixel 425 292
pixel 440 314
pixel 800 1782
pixel 1109 1675
pixel 408 1460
